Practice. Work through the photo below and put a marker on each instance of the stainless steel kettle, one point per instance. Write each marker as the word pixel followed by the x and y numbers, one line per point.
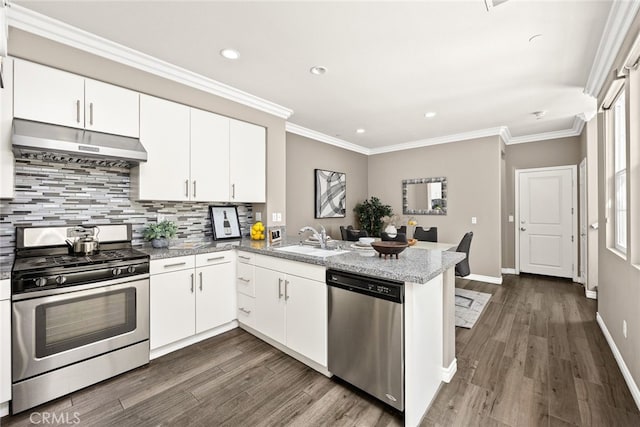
pixel 85 242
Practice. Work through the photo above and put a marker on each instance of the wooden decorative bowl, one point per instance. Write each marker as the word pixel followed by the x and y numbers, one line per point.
pixel 412 242
pixel 389 248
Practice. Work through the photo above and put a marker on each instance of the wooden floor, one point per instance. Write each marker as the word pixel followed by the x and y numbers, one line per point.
pixel 535 357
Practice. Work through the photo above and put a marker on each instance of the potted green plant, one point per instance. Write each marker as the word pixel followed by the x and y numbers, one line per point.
pixel 160 233
pixel 370 213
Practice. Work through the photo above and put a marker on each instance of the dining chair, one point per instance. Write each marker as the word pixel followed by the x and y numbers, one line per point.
pixel 429 235
pixel 350 234
pixel 462 268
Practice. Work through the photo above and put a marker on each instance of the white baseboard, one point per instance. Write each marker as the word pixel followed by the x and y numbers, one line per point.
pixel 509 271
pixel 590 294
pixel 449 371
pixel 633 387
pixel 487 279
pixel 4 409
pixel 166 349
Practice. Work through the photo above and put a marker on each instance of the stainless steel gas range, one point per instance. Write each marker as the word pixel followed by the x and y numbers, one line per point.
pixel 76 319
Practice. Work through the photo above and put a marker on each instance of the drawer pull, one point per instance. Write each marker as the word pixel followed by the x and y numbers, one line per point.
pixel 245 311
pixel 244 280
pixel 177 264
pixel 215 259
pixel 244 257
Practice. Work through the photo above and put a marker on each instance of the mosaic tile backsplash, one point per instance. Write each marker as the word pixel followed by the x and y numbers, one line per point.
pixel 49 193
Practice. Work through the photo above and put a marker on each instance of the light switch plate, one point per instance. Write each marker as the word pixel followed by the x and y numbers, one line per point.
pixel 474 220
pixel 274 217
pixel 279 216
pixel 510 218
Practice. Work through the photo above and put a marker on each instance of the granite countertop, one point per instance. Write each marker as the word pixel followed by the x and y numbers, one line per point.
pixel 413 265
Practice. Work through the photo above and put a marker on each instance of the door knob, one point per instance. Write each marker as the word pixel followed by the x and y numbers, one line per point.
pixel 523 229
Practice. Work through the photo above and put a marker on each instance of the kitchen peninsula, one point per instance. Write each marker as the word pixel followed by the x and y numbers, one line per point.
pixel 428 277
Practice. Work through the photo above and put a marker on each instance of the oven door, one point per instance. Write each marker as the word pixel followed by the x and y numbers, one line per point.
pixel 50 332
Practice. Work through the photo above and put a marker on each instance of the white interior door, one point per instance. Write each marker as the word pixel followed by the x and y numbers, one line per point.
pixel 584 259
pixel 546 221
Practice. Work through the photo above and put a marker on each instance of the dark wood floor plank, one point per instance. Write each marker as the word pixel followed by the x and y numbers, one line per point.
pixel 488 364
pixel 536 364
pixel 563 399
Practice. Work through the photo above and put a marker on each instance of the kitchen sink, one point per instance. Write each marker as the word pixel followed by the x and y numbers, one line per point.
pixel 311 251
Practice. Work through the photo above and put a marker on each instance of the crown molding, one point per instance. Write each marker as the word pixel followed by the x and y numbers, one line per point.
pixel 319 136
pixel 619 21
pixel 576 130
pixel 482 133
pixel 41 25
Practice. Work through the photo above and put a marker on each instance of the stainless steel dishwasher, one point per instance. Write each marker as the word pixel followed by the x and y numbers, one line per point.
pixel 366 334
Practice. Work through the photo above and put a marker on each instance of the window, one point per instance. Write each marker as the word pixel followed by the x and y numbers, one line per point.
pixel 620 173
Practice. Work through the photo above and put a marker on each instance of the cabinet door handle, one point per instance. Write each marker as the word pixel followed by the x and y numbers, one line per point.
pixel 201 281
pixel 215 259
pixel 244 280
pixel 286 290
pixel 280 288
pixel 177 264
pixel 233 191
pixel 78 110
pixel 192 284
pixel 242 309
pixel 186 187
pixel 91 113
pixel 194 188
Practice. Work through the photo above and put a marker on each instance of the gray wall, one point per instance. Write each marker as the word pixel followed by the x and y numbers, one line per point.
pixel 472 169
pixel 303 156
pixel 618 278
pixel 28 46
pixel 554 152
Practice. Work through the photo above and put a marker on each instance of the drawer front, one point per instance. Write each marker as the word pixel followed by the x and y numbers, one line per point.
pixel 214 258
pixel 158 266
pixel 246 310
pixel 246 257
pixel 296 268
pixel 245 279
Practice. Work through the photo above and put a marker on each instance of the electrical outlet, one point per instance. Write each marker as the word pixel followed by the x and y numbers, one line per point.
pixel 258 216
pixel 474 220
pixel 510 218
pixel 279 216
pixel 624 328
pixel 160 217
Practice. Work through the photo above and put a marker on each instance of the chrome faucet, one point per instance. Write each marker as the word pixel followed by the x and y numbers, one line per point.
pixel 321 236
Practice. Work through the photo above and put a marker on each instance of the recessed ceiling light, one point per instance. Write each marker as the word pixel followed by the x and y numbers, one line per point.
pixel 318 70
pixel 360 130
pixel 230 53
pixel 430 114
pixel 539 114
pixel 534 37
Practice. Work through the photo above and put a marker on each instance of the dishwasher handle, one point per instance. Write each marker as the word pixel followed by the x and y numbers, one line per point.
pixel 388 290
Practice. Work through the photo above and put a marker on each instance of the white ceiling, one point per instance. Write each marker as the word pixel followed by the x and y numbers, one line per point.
pixel 388 62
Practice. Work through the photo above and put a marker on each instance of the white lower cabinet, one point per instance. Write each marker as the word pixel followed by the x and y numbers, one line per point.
pixel 191 295
pixel 5 346
pixel 289 306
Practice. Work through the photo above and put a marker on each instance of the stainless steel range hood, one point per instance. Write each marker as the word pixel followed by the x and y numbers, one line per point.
pixel 34 138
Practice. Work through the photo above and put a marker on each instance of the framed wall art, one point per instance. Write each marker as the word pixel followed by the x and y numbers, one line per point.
pixel 224 222
pixel 331 194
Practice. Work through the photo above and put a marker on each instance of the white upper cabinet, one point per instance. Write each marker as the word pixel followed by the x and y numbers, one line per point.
pixel 111 109
pixel 164 132
pixel 49 95
pixel 247 162
pixel 209 151
pixel 7 162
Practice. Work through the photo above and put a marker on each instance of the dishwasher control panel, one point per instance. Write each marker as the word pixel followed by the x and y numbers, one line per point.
pixel 378 288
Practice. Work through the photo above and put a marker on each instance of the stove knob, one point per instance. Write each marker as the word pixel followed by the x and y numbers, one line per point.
pixel 131 269
pixel 116 271
pixel 60 280
pixel 41 281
